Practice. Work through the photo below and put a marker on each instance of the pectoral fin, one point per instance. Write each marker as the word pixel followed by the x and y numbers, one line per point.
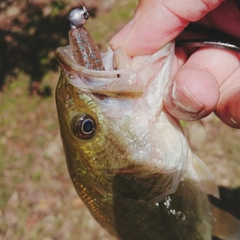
pixel 203 176
pixel 226 226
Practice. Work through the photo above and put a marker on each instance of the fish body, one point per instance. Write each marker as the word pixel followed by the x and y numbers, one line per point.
pixel 127 156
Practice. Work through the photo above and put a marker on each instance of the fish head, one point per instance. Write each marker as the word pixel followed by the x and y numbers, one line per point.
pixel 118 138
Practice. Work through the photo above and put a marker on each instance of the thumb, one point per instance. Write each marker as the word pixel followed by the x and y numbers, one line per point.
pixel 157 22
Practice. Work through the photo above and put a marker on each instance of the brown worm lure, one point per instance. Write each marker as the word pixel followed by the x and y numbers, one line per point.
pixel 85 51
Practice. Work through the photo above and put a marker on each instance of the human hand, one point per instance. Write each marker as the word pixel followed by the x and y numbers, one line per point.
pixel 207 80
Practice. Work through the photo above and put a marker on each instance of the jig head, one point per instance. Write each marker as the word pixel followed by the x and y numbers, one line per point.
pixel 78 17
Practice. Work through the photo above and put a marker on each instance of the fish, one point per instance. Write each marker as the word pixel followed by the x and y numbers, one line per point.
pixel 127 156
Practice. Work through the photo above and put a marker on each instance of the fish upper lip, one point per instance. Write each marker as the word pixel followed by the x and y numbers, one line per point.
pixel 103 82
pixel 63 55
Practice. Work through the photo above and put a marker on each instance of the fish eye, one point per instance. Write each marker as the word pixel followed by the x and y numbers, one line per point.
pixel 84 126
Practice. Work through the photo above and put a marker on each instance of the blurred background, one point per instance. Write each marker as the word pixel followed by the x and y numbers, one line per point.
pixel 37 198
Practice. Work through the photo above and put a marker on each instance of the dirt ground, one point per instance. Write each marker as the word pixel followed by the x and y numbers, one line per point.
pixel 37 198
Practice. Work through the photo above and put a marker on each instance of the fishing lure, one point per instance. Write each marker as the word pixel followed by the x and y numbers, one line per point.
pixel 85 51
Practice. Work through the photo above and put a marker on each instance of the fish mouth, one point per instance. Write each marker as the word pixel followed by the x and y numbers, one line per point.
pixel 130 81
pixel 65 58
pixel 123 83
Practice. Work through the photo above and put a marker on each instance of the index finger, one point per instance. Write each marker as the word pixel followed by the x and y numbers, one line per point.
pixel 157 22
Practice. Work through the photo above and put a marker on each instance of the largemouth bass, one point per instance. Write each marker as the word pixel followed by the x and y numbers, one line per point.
pixel 127 156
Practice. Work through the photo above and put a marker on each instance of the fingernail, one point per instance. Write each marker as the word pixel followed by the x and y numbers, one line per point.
pixel 184 100
pixel 228 107
pixel 118 38
pixel 180 102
